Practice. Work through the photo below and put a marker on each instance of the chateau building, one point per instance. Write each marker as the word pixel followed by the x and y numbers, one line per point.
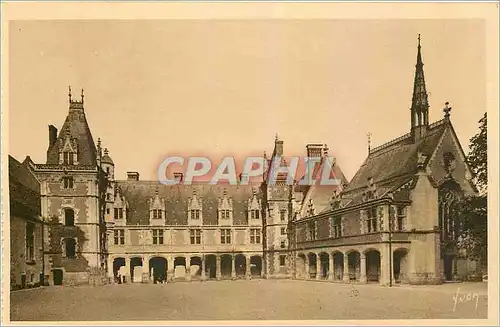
pixel 394 222
pixel 389 224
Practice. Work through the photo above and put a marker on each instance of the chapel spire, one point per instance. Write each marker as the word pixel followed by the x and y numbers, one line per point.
pixel 419 103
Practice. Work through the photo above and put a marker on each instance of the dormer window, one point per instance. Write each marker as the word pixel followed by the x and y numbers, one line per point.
pixel 118 213
pixel 67 182
pixel 195 214
pixel 157 214
pixel 67 158
pixel 224 214
pixel 254 214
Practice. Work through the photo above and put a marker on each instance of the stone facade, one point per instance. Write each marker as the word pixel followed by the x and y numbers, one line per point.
pixel 387 225
pixel 26 228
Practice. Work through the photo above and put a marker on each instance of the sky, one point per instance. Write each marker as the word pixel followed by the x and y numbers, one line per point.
pixel 154 88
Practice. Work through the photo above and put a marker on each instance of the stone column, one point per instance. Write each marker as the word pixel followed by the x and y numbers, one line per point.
pixel 233 267
pixel 331 267
pixel 188 268
pixel 170 270
pixel 217 268
pixel 362 269
pixel 145 269
pixel 203 273
pixel 307 275
pixel 345 277
pixel 318 267
pixel 248 273
pixel 384 266
pixel 127 271
pixel 111 274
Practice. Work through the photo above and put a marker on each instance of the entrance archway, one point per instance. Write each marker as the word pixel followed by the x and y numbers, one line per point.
pixel 135 274
pixel 210 266
pixel 240 264
pixel 400 272
pixel 226 265
pixel 117 264
pixel 256 266
pixel 324 265
pixel 372 266
pixel 338 264
pixel 158 269
pixel 180 267
pixel 354 262
pixel 301 266
pixel 312 265
pixel 195 267
pixel 58 276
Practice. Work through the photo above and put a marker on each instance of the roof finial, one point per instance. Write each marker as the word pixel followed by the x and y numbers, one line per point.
pixel 369 135
pixel 69 93
pixel 82 95
pixel 447 110
pixel 276 137
pixel 419 39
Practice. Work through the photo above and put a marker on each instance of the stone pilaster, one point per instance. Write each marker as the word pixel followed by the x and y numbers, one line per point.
pixel 362 272
pixel 188 268
pixel 346 268
pixel 217 267
pixel 318 267
pixel 233 267
pixel 331 267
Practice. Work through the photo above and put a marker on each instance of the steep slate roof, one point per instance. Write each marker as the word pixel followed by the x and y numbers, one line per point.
pixel 321 195
pixel 395 162
pixel 24 191
pixel 77 126
pixel 138 193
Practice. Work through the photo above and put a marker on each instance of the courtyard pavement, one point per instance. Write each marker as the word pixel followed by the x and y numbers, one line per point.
pixel 249 300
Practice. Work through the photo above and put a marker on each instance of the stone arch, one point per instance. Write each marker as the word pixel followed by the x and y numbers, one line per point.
pixel 118 263
pixel 158 269
pixel 211 266
pixel 136 264
pixel 354 264
pixel 195 264
pixel 338 265
pixel 373 264
pixel 256 266
pixel 400 265
pixel 226 265
pixel 324 259
pixel 301 262
pixel 312 260
pixel 240 265
pixel 179 267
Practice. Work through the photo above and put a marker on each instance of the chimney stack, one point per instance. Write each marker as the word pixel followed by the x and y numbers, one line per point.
pixel 315 150
pixel 132 176
pixel 52 135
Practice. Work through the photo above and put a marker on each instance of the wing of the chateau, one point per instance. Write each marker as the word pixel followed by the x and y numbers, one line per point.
pixel 394 222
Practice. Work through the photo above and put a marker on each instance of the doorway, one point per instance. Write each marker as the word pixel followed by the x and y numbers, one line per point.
pixel 58 276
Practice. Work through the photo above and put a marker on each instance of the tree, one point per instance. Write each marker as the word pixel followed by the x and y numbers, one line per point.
pixel 474 209
pixel 478 156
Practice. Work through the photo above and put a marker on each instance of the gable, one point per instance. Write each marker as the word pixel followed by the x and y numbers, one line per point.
pixel 449 158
